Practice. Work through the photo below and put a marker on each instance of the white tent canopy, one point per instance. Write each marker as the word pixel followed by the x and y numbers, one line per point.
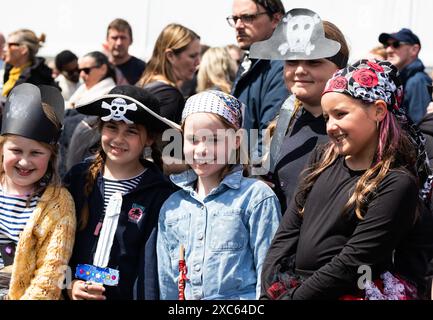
pixel 80 25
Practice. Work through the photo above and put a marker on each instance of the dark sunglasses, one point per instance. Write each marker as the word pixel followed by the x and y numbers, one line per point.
pixel 87 70
pixel 394 44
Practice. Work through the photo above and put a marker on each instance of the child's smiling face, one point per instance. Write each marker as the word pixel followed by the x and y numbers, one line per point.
pixel 208 144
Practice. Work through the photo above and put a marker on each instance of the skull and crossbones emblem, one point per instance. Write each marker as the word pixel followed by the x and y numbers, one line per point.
pixel 118 108
pixel 299 31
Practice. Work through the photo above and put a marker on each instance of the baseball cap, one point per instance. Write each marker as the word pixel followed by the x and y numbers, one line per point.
pixel 404 35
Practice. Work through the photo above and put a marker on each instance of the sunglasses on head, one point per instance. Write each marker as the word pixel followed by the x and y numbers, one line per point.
pixel 394 44
pixel 87 69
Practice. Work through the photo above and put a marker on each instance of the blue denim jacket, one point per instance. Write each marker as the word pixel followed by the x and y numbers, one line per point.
pixel 226 237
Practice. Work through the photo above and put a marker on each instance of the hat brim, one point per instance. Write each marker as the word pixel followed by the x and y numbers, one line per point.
pixel 24 114
pixel 323 48
pixel 141 115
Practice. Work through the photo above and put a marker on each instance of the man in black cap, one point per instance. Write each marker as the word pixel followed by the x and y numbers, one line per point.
pixel 403 48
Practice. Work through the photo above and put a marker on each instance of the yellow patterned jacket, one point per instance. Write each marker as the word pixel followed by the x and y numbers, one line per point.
pixel 44 248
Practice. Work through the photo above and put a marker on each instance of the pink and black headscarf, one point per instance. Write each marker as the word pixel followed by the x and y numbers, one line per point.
pixel 372 80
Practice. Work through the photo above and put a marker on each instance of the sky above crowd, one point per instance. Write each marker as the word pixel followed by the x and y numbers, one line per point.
pixel 80 25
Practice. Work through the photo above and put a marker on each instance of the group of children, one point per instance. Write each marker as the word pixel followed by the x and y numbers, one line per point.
pixel 128 232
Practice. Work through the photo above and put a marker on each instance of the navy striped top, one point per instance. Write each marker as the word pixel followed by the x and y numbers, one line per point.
pixel 14 215
pixel 123 186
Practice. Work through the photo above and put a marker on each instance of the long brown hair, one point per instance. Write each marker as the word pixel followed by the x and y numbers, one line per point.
pixel 394 155
pixel 173 37
pixel 97 166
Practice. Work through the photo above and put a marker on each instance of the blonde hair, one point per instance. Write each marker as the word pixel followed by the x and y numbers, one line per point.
pixel 173 37
pixel 217 69
pixel 378 52
pixel 51 176
pixel 30 40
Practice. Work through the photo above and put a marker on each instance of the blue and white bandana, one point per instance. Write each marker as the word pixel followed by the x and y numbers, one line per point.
pixel 216 102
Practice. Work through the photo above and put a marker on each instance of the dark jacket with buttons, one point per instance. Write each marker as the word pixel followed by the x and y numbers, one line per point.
pixel 262 90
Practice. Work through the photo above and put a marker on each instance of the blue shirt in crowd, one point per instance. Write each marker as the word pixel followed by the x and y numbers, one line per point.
pixel 226 236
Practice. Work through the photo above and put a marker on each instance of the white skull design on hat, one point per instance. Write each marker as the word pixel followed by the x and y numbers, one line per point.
pixel 118 108
pixel 299 30
pixel 299 36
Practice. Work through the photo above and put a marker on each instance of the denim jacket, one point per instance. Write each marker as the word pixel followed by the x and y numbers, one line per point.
pixel 226 236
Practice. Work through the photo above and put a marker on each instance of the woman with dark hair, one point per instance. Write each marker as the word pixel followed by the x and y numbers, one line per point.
pixel 98 76
pixel 79 134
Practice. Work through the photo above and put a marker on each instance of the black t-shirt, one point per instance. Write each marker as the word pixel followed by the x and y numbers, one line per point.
pixel 329 247
pixel 171 99
pixel 132 69
pixel 308 131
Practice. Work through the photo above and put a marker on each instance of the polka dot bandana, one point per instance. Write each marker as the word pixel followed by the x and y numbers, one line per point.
pixel 216 102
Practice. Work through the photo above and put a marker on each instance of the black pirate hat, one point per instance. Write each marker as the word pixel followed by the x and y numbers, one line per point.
pixel 24 115
pixel 130 104
pixel 299 36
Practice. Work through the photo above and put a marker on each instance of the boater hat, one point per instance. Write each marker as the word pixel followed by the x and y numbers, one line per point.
pixel 23 114
pixel 298 36
pixel 130 104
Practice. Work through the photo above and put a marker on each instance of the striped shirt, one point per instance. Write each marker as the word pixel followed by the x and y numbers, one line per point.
pixel 14 215
pixel 123 186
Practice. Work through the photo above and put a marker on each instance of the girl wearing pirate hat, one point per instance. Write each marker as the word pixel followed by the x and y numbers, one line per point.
pixel 36 214
pixel 359 224
pixel 313 50
pixel 118 196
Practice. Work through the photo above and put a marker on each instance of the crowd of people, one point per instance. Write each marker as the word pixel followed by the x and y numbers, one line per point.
pixel 270 169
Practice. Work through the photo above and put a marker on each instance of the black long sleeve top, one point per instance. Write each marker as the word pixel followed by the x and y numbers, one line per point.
pixel 330 246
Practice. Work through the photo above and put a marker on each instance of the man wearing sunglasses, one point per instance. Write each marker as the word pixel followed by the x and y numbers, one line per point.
pixel 259 84
pixel 402 48
pixel 68 79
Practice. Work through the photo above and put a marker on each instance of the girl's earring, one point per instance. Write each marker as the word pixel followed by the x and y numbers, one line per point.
pixel 45 179
pixel 147 152
pixel 377 125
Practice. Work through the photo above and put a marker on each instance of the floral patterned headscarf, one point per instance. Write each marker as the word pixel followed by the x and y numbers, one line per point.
pixel 372 80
